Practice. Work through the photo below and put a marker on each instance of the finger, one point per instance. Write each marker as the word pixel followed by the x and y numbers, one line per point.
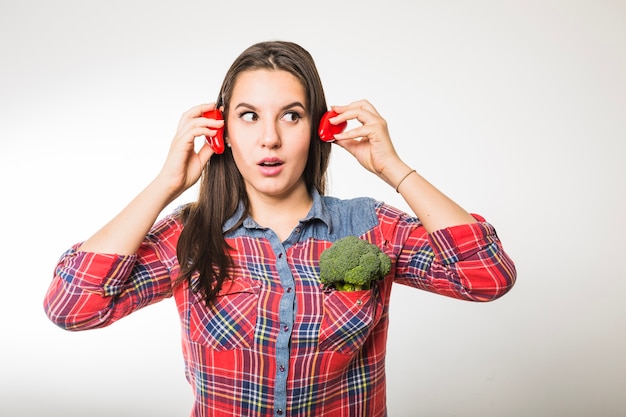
pixel 213 123
pixel 349 145
pixel 360 105
pixel 196 111
pixel 355 133
pixel 185 138
pixel 361 115
pixel 204 153
pixel 365 105
pixel 201 127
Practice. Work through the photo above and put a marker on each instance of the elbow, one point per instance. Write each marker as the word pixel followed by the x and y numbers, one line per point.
pixel 56 315
pixel 485 295
pixel 503 290
pixel 70 321
pixel 56 306
pixel 60 320
pixel 493 283
pixel 75 311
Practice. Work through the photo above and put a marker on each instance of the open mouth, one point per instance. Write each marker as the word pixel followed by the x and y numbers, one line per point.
pixel 270 163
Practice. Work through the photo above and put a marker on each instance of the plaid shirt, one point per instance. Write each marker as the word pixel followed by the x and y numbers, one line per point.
pixel 276 342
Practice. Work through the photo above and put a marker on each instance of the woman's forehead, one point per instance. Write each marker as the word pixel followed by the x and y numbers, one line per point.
pixel 261 86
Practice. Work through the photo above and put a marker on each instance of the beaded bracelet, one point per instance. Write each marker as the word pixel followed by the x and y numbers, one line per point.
pixel 403 178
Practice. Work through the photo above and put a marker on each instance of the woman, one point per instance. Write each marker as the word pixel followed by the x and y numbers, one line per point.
pixel 261 335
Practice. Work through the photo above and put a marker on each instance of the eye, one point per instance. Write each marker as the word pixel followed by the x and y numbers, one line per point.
pixel 248 116
pixel 292 116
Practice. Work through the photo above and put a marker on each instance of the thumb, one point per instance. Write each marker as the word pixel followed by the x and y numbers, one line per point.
pixel 348 144
pixel 205 153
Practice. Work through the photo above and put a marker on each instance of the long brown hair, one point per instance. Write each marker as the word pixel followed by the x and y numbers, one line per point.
pixel 201 246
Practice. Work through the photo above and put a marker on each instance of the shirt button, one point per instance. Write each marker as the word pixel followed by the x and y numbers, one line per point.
pixel 297 230
pixel 286 328
pixel 280 255
pixel 281 368
pixel 279 411
pixel 289 289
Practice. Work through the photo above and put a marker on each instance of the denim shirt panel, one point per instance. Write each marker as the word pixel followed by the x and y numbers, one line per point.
pixel 329 219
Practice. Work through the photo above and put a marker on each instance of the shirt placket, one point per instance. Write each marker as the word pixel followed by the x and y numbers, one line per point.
pixel 287 319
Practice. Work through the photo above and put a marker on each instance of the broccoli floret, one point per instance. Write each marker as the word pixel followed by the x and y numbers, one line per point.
pixel 352 264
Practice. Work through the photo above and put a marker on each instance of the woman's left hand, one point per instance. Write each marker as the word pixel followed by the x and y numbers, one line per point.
pixel 369 143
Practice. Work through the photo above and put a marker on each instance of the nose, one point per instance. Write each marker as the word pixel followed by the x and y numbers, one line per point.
pixel 271 136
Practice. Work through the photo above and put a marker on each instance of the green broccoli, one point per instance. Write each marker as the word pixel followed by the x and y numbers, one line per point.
pixel 352 264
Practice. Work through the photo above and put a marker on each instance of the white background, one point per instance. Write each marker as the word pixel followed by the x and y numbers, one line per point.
pixel 516 109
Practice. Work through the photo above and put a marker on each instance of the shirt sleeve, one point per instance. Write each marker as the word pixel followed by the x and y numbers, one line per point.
pixel 92 290
pixel 465 262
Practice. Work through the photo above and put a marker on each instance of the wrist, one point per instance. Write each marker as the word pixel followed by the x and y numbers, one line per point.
pixel 404 178
pixel 395 173
pixel 162 191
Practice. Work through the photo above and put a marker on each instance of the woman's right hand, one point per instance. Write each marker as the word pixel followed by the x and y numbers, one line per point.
pixel 183 165
pixel 125 232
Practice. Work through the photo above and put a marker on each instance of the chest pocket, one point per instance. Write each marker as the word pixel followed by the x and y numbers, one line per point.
pixel 230 320
pixel 348 319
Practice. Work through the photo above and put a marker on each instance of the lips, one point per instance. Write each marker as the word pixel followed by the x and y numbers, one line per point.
pixel 270 166
pixel 271 162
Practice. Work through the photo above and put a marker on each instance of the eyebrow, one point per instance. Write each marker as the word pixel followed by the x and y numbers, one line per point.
pixel 288 106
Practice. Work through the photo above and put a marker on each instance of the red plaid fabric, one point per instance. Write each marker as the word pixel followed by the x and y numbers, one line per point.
pixel 254 354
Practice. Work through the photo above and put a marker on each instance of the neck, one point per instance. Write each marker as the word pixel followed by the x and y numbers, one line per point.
pixel 281 214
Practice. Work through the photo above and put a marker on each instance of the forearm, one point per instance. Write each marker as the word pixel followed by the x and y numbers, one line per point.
pixel 91 290
pixel 465 262
pixel 125 232
pixel 371 145
pixel 181 170
pixel 434 209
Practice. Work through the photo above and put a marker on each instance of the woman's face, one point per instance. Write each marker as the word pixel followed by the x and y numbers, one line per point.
pixel 269 131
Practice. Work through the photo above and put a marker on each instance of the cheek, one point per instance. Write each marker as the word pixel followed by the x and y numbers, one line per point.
pixel 303 151
pixel 238 150
pixel 240 143
pixel 239 156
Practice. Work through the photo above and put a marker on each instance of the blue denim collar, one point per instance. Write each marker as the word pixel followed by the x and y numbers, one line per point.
pixel 318 211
